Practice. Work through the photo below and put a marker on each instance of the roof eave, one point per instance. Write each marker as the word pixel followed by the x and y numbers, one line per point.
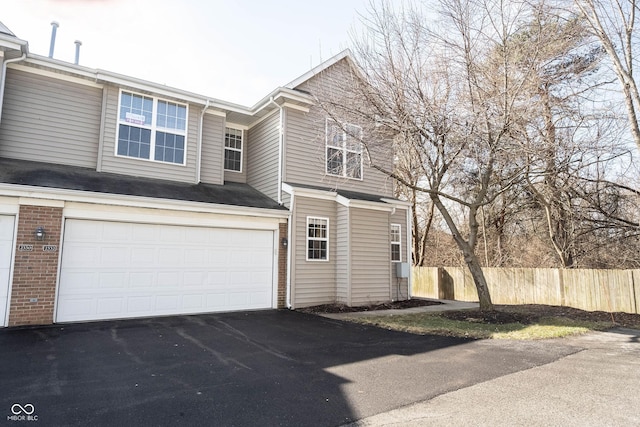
pixel 13 43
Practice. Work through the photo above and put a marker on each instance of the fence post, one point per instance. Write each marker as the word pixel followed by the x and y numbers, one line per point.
pixel 633 293
pixel 561 284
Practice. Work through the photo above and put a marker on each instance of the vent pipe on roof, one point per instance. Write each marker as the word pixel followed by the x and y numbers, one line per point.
pixel 54 28
pixel 78 44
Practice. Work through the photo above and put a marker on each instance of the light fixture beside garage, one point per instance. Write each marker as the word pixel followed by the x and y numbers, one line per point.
pixel 284 242
pixel 40 233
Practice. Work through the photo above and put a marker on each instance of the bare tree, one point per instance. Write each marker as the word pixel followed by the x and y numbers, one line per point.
pixel 444 89
pixel 613 23
pixel 422 210
pixel 562 64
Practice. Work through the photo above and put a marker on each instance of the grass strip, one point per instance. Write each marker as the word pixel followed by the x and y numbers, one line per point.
pixel 434 324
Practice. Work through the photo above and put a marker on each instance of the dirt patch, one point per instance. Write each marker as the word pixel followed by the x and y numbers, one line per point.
pixel 503 314
pixel 341 308
pixel 533 313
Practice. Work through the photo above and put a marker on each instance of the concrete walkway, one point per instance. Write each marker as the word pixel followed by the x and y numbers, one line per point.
pixel 597 386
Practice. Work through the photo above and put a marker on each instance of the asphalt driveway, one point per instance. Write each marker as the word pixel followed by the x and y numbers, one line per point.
pixel 235 369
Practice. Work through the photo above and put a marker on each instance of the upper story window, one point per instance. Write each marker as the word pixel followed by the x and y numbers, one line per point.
pixel 396 242
pixel 151 128
pixel 317 239
pixel 233 149
pixel 344 150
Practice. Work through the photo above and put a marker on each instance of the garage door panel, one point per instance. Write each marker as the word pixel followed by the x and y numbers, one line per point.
pixel 145 270
pixel 216 301
pixel 143 256
pixel 144 233
pixel 110 305
pixel 259 298
pixel 216 278
pixel 218 256
pixel 167 303
pixel 113 281
pixel 78 280
pixel 140 305
pixel 114 256
pixel 194 279
pixel 79 308
pixel 169 279
pixel 117 231
pixel 84 232
pixel 80 255
pixel 194 257
pixel 193 302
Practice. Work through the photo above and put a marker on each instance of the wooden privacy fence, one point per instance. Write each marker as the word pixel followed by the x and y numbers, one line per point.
pixel 593 290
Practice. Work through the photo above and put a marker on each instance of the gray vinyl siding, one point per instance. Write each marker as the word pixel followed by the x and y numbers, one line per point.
pixel 147 168
pixel 343 265
pixel 305 144
pixel 286 200
pixel 370 257
pixel 399 286
pixel 50 120
pixel 212 149
pixel 313 282
pixel 262 153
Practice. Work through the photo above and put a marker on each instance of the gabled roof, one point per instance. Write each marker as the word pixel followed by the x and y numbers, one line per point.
pixel 36 174
pixel 235 113
pixel 5 30
pixel 320 68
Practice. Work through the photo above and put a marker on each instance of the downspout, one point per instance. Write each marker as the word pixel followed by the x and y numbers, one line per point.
pixel 4 77
pixel 289 250
pixel 280 149
pixel 289 222
pixel 199 159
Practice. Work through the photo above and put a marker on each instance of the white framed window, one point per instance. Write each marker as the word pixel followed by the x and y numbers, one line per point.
pixel 233 149
pixel 317 239
pixel 396 243
pixel 151 128
pixel 344 150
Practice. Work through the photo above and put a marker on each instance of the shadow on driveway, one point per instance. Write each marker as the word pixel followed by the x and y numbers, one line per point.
pixel 257 368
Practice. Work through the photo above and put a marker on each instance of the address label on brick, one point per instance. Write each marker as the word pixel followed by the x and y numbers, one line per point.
pixel 49 248
pixel 25 248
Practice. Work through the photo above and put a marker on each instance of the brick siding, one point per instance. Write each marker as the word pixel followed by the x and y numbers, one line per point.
pixel 35 272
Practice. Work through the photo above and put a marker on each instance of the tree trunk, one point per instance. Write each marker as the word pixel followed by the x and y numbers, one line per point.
pixel 484 297
pixel 473 264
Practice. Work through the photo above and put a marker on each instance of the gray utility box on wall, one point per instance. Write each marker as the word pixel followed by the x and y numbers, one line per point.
pixel 402 270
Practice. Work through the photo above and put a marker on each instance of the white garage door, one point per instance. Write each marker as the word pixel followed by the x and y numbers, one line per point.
pixel 113 270
pixel 6 246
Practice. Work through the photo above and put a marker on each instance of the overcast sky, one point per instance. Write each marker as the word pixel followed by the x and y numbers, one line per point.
pixel 234 50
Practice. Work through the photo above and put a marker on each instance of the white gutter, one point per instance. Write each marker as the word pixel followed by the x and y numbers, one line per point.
pixel 199 155
pixel 4 77
pixel 280 150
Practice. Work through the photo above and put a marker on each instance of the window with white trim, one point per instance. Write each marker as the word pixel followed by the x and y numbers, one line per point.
pixel 233 149
pixel 317 239
pixel 344 150
pixel 151 128
pixel 396 243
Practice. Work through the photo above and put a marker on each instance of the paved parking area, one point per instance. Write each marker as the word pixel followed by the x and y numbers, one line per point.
pixel 597 386
pixel 259 368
